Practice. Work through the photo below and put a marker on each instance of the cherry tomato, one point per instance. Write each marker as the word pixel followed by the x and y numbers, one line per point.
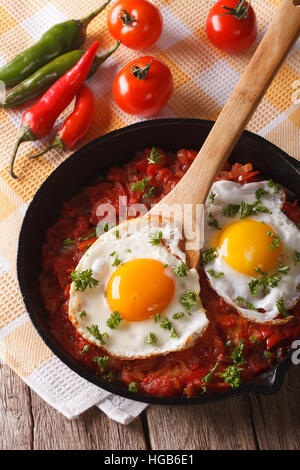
pixel 231 25
pixel 136 23
pixel 143 86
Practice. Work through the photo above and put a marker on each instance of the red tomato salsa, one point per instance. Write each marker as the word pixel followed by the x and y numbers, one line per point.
pixel 231 351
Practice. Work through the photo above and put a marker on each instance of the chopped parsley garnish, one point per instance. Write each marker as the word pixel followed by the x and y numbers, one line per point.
pixel 156 237
pixel 273 186
pixel 114 320
pixel 281 308
pixel 144 186
pixel 107 226
pixel 209 376
pixel 178 315
pixel 116 261
pixel 101 361
pixel 166 324
pixel 154 157
pixel 157 318
pixel 215 224
pixel 85 349
pixel 68 242
pixel 117 233
pixel 231 210
pixel 275 241
pixel 212 197
pixel 133 387
pixel 181 270
pixel 267 281
pixel 84 279
pixel 140 185
pixel 208 255
pixel 240 300
pixel 90 235
pixel 174 333
pixel 151 338
pixel 94 331
pixel 188 299
pixel 110 375
pixel 260 192
pixel 82 314
pixel 237 354
pixel 246 210
pixel 232 376
pixel 213 273
pixel 250 306
pixel 254 339
pixel 296 257
pixel 268 354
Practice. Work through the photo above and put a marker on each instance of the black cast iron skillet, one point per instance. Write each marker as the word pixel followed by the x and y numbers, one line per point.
pixel 81 168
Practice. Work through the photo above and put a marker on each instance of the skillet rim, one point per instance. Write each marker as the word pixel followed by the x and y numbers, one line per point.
pixel 267 383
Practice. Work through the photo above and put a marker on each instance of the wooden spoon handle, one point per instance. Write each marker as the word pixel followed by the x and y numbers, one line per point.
pixel 281 35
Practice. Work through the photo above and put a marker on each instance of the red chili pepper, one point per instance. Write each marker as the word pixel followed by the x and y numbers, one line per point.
pixel 77 123
pixel 38 121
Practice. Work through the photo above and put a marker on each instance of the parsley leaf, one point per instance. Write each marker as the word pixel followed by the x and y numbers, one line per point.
pixel 237 355
pixel 260 192
pixel 273 186
pixel 178 315
pixel 208 255
pixel 212 197
pixel 133 387
pixel 151 338
pixel 114 320
pixel 209 376
pixel 281 308
pixel 166 324
pixel 231 210
pixel 275 241
pixel 116 261
pixel 156 237
pixel 157 318
pixel 215 224
pixel 296 257
pixel 82 314
pixel 140 185
pixel 83 279
pixel 94 331
pixel 154 157
pixel 85 349
pixel 181 270
pixel 101 361
pixel 232 376
pixel 174 333
pixel 188 299
pixel 68 242
pixel 214 274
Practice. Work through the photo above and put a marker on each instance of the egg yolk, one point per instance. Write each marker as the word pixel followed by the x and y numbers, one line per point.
pixel 139 289
pixel 248 244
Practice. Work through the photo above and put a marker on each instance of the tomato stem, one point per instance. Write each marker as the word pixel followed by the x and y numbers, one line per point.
pixel 141 73
pixel 127 18
pixel 240 11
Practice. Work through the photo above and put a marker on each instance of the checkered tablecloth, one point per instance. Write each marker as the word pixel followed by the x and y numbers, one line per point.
pixel 204 77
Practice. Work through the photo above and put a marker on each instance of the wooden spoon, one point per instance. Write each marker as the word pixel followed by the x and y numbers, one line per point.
pixel 194 186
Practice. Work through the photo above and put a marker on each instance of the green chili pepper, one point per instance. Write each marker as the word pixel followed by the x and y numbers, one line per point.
pixel 43 78
pixel 61 38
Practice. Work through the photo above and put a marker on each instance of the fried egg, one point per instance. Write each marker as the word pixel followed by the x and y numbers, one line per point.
pixel 253 257
pixel 135 301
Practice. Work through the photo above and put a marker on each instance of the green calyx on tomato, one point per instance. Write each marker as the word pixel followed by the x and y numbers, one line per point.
pixel 127 18
pixel 240 11
pixel 141 72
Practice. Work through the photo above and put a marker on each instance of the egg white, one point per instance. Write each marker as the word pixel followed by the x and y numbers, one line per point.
pixel 233 284
pixel 128 339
